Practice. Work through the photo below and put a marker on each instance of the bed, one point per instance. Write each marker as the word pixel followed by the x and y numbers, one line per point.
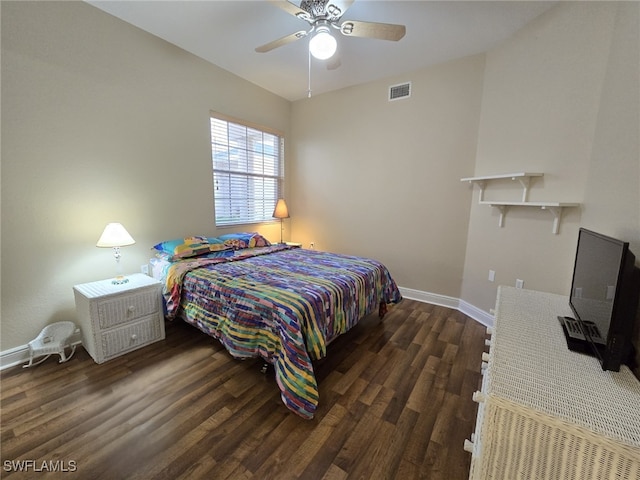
pixel 281 303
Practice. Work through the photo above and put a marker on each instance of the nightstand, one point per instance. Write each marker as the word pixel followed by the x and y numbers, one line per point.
pixel 117 319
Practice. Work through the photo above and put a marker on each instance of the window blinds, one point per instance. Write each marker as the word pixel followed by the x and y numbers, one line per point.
pixel 247 171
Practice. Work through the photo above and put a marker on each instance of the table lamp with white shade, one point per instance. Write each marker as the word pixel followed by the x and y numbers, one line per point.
pixel 281 211
pixel 116 236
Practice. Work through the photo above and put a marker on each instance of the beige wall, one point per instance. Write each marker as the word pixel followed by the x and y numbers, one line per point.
pixel 560 97
pixel 381 179
pixel 101 122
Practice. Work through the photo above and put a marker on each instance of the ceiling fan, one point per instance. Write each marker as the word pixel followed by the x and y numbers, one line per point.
pixel 324 15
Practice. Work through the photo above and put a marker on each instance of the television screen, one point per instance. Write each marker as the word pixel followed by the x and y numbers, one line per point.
pixel 604 299
pixel 595 276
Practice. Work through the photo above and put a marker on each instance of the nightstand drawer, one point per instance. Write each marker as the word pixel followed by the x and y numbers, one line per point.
pixel 132 336
pixel 123 309
pixel 118 318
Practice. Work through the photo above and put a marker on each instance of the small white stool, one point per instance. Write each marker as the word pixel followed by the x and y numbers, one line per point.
pixel 52 339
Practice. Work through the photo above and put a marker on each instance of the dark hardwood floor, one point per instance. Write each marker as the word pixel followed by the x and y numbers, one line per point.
pixel 395 402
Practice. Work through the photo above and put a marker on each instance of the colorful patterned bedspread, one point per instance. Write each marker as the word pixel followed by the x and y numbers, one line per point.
pixel 282 304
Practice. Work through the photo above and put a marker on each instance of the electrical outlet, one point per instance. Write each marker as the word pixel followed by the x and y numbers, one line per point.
pixel 144 269
pixel 519 283
pixel 611 292
pixel 492 275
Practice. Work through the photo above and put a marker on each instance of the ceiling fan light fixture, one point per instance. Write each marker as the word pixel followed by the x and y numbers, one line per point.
pixel 322 45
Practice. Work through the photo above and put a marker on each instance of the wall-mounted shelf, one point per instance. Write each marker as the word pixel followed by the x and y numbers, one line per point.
pixel 555 208
pixel 523 177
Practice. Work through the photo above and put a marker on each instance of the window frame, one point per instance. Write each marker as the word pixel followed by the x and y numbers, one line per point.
pixel 247 212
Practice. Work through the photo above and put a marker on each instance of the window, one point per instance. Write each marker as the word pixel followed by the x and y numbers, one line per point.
pixel 248 173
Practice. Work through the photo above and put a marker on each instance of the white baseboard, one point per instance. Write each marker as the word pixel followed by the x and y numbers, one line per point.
pixel 474 312
pixel 14 356
pixel 20 355
pixel 478 315
pixel 426 297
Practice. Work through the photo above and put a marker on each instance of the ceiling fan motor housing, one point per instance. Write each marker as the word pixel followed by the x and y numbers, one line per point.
pixel 319 8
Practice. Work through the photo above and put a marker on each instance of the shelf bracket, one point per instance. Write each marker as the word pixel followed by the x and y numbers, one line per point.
pixel 481 184
pixel 525 182
pixel 503 211
pixel 557 214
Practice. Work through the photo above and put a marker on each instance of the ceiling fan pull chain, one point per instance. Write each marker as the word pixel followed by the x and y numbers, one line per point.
pixel 309 84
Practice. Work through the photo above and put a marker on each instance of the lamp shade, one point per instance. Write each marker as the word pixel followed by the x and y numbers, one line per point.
pixel 281 210
pixel 115 235
pixel 322 45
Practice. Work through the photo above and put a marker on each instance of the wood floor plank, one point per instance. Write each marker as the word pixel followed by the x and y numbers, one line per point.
pixel 316 441
pixel 389 447
pixel 395 403
pixel 271 454
pixel 199 469
pixel 324 458
pixel 335 473
pixel 420 437
pixel 419 396
pixel 434 465
pixel 354 449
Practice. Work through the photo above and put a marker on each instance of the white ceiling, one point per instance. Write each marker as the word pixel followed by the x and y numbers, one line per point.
pixel 226 33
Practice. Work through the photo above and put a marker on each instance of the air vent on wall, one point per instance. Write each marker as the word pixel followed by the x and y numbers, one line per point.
pixel 403 90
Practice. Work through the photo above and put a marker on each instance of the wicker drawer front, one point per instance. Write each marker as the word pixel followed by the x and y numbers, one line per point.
pixel 130 337
pixel 126 308
pixel 525 444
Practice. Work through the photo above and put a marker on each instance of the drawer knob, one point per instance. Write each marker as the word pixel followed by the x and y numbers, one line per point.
pixel 468 446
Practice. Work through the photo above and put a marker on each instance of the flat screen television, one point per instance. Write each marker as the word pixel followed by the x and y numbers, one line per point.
pixel 604 300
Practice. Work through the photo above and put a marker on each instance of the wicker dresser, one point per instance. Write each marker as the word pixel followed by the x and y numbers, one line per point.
pixel 116 319
pixel 546 412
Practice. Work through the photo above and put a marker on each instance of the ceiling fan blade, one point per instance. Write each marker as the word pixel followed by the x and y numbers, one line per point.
pixel 292 9
pixel 336 8
pixel 281 41
pixel 383 31
pixel 334 62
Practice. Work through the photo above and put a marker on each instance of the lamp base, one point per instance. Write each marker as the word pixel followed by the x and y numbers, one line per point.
pixel 119 280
